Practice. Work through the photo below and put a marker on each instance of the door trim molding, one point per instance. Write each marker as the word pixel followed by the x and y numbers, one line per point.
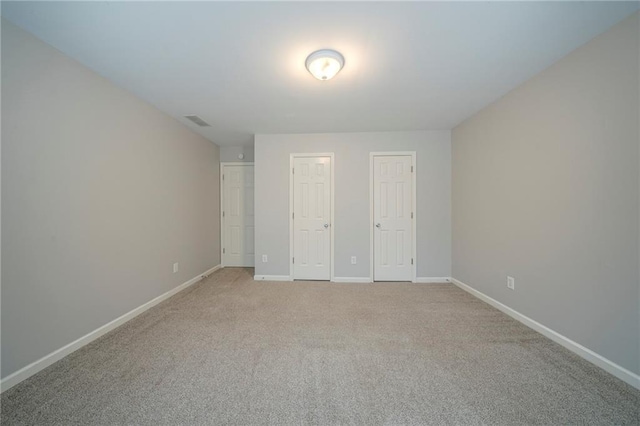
pixel 331 226
pixel 413 204
pixel 222 166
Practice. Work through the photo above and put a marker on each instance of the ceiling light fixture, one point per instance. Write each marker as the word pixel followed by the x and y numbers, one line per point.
pixel 324 64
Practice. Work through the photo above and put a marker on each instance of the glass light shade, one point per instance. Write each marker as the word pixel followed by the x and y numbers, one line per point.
pixel 324 64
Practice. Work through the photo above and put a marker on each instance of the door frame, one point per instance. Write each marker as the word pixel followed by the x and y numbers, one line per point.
pixel 414 267
pixel 222 165
pixel 292 157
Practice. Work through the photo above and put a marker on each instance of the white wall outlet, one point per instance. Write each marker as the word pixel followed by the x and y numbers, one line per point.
pixel 264 258
pixel 511 283
pixel 175 267
pixel 353 260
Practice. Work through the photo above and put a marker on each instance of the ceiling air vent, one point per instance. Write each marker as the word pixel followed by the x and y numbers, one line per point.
pixel 199 121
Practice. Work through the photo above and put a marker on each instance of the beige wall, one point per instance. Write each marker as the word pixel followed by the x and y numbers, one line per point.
pixel 352 226
pixel 546 189
pixel 230 154
pixel 101 194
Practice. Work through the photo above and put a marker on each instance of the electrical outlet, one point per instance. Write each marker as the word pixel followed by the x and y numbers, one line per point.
pixel 511 283
pixel 353 260
pixel 175 267
pixel 264 258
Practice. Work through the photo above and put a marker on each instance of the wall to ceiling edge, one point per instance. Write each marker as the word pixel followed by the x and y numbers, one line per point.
pixel 546 189
pixel 101 194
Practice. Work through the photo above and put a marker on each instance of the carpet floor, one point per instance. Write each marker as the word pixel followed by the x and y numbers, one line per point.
pixel 230 350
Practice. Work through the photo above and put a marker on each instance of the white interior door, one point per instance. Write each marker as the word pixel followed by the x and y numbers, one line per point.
pixel 312 218
pixel 238 215
pixel 392 218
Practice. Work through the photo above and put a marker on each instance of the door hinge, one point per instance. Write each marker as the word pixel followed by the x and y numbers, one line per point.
pixel 293 171
pixel 223 176
pixel 411 215
pixel 412 261
pixel 223 213
pixel 293 260
pixel 293 215
pixel 411 169
pixel 224 251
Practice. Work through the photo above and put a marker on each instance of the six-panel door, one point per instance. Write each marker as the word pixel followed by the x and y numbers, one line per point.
pixel 311 218
pixel 392 218
pixel 238 215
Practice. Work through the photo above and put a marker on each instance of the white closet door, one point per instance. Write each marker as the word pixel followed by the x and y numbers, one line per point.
pixel 392 218
pixel 311 218
pixel 238 216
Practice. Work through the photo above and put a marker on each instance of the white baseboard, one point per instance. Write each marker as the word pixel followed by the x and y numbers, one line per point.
pixel 272 278
pixel 609 366
pixel 31 369
pixel 351 280
pixel 433 280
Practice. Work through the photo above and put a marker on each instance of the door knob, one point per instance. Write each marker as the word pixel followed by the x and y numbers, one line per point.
pixel 377 225
pixel 326 225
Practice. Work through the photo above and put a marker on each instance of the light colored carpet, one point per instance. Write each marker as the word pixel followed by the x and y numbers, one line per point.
pixel 233 351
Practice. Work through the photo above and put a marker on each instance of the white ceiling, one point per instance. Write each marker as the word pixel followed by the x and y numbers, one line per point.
pixel 240 66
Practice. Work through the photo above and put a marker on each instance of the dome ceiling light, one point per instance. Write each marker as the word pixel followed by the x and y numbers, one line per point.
pixel 324 64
